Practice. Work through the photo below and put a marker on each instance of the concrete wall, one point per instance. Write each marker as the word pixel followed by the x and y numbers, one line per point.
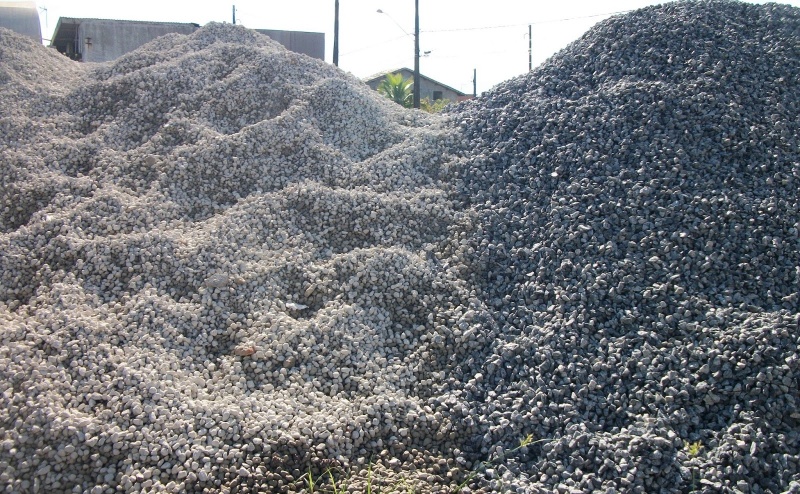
pixel 101 40
pixel 22 18
pixel 104 40
pixel 427 86
pixel 311 44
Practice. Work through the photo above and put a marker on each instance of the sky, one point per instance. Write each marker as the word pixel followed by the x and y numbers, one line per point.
pixel 457 37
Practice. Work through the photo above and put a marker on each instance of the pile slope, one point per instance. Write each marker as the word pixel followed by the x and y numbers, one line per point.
pixel 637 246
pixel 219 270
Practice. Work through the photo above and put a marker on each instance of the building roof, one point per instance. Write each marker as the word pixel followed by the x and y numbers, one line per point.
pixel 382 75
pixel 22 18
pixel 158 23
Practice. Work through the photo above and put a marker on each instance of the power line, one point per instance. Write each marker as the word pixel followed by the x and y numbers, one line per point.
pixel 504 26
pixel 550 21
pixel 375 45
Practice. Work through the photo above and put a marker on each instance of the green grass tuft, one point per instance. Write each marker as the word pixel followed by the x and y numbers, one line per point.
pixel 692 449
pixel 523 443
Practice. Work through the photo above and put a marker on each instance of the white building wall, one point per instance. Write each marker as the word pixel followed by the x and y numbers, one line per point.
pixel 104 40
pixel 22 18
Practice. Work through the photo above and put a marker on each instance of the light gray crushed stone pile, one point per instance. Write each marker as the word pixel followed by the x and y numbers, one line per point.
pixel 226 264
pixel 219 271
pixel 638 249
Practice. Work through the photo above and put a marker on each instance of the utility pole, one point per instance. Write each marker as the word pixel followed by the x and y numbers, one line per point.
pixel 336 34
pixel 474 83
pixel 234 15
pixel 530 48
pixel 416 54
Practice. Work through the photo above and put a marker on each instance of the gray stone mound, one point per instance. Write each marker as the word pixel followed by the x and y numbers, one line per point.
pixel 219 272
pixel 637 245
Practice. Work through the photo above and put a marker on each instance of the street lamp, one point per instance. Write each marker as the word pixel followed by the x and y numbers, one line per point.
pixel 395 22
pixel 416 49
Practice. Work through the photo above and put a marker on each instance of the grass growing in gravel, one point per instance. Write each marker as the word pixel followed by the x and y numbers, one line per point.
pixel 327 483
pixel 523 443
pixel 693 451
pixel 314 486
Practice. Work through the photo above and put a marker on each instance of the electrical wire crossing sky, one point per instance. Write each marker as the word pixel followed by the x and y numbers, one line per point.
pixel 457 37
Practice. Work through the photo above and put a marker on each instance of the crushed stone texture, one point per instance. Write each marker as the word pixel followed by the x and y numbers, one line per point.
pixel 226 266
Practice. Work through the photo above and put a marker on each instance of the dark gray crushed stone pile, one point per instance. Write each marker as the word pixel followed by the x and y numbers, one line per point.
pixel 637 250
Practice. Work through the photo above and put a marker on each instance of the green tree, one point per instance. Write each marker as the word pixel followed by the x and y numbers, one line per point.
pixel 397 89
